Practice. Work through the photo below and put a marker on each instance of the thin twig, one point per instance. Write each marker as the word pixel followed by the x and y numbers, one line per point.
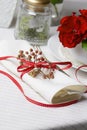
pixel 58 68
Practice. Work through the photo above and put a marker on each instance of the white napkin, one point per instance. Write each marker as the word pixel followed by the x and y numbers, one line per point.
pixel 60 89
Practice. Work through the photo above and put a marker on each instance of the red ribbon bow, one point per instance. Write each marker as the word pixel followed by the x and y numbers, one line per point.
pixel 27 66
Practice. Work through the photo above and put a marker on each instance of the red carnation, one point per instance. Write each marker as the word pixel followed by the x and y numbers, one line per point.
pixel 83 12
pixel 73 29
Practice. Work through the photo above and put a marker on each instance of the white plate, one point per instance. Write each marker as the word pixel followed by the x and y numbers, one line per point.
pixel 64 54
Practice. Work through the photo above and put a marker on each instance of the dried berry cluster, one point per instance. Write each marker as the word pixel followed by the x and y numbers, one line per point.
pixel 36 56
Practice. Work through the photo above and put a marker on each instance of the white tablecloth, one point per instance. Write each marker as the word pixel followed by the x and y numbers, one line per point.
pixel 18 114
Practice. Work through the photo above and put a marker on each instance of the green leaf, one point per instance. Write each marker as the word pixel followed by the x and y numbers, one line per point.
pixel 84 44
pixel 56 1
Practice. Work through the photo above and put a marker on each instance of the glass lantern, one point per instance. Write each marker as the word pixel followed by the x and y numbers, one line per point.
pixel 33 21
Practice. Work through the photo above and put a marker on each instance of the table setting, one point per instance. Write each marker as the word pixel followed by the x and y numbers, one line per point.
pixel 44 75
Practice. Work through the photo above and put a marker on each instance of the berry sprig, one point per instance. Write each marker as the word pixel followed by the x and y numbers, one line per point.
pixel 36 56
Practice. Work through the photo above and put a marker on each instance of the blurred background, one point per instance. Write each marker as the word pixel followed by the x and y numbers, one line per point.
pixel 59 9
pixel 66 7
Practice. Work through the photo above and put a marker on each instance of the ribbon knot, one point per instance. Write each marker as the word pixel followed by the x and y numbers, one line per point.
pixel 27 66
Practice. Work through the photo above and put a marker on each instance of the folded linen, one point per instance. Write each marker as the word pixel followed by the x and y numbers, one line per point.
pixel 63 90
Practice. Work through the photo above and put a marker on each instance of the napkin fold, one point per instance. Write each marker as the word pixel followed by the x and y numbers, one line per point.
pixel 58 90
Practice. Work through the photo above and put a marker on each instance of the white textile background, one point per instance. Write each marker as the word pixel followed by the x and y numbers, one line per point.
pixel 18 114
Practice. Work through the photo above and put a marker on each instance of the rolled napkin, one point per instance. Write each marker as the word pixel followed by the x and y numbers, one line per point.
pixel 61 89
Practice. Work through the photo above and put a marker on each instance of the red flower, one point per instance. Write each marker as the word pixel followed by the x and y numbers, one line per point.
pixel 67 23
pixel 82 22
pixel 70 39
pixel 73 29
pixel 83 12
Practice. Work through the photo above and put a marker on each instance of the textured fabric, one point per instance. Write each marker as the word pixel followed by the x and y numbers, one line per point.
pixel 18 114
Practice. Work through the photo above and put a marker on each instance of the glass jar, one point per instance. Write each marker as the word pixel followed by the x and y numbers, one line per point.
pixel 33 21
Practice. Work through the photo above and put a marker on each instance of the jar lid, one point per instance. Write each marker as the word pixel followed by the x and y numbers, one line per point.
pixel 37 2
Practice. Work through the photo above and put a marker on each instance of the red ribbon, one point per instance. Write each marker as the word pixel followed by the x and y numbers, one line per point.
pixel 27 66
pixel 31 65
pixel 76 73
pixel 6 57
pixel 34 101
